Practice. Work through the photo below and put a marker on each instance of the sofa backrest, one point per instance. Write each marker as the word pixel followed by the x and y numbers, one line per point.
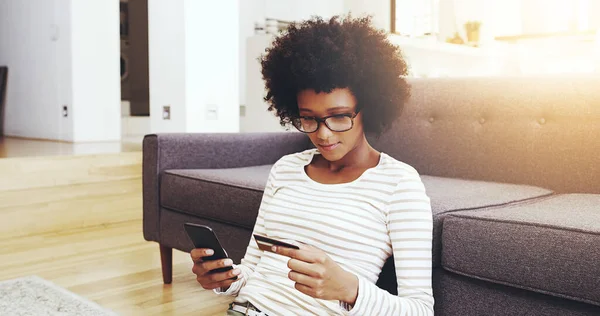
pixel 542 131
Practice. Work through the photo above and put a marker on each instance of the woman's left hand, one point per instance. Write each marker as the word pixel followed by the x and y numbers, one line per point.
pixel 319 276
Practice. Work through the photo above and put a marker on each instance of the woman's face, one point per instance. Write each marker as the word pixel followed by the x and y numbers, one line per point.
pixel 333 145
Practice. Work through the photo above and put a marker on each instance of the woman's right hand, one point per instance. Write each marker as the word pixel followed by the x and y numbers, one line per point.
pixel 202 270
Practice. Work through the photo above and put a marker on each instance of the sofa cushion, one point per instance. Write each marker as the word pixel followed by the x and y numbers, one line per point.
pixel 227 195
pixel 234 195
pixel 449 195
pixel 551 246
pixel 459 295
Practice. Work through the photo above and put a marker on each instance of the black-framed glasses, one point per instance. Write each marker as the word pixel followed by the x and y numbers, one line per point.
pixel 336 123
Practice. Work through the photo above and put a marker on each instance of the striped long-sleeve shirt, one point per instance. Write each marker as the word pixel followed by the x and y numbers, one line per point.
pixel 358 224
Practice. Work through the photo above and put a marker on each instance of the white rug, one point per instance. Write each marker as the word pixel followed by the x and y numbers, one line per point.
pixel 33 295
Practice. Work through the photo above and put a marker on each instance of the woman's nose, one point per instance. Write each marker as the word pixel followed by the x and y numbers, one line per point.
pixel 324 132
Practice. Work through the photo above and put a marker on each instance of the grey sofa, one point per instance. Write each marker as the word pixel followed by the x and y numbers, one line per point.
pixel 512 166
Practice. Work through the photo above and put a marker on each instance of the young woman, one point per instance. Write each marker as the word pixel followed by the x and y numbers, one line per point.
pixel 346 205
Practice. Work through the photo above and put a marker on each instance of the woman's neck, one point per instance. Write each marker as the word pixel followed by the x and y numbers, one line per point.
pixel 361 156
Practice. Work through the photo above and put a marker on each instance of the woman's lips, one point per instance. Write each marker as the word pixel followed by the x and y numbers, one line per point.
pixel 329 147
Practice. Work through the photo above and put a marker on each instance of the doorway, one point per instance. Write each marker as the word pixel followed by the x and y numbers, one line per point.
pixel 134 56
pixel 135 94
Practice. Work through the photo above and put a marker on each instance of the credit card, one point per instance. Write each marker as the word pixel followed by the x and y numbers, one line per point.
pixel 265 243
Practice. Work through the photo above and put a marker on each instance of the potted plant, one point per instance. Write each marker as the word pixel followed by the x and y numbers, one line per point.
pixel 456 39
pixel 473 29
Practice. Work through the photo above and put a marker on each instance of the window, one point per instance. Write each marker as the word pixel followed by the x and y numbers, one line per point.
pixel 548 18
pixel 505 19
pixel 415 17
pixel 517 37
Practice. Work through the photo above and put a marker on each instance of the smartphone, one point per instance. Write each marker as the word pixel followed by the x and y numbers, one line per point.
pixel 265 243
pixel 204 237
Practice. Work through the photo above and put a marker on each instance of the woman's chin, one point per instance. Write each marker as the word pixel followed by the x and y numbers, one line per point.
pixel 334 155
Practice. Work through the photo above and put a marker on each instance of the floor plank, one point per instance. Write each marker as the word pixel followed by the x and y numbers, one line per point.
pixel 39 172
pixel 86 236
pixel 24 147
pixel 113 266
pixel 41 210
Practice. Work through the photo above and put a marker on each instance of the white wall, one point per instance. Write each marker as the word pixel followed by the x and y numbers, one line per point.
pixel 194 65
pixel 293 10
pixel 96 105
pixel 33 97
pixel 379 9
pixel 61 52
pixel 212 66
pixel 62 36
pixel 166 49
pixel 257 118
pixel 251 11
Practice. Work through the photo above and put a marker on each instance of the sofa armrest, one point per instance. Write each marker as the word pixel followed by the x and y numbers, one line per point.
pixel 206 151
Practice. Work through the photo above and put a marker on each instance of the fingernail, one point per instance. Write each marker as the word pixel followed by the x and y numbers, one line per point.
pixel 228 262
pixel 236 271
pixel 209 252
pixel 274 248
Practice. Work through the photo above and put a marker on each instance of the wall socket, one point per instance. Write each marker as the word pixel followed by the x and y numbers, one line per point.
pixel 166 113
pixel 212 112
pixel 65 111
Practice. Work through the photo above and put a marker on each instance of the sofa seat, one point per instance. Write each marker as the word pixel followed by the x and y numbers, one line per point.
pixel 233 195
pixel 450 195
pixel 550 245
pixel 229 195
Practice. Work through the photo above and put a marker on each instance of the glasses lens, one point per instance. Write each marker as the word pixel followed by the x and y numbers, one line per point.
pixel 339 123
pixel 307 125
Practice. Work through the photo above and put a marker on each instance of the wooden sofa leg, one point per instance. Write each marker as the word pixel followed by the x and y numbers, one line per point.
pixel 166 258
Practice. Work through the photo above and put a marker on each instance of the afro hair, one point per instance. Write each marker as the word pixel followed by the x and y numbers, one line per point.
pixel 341 52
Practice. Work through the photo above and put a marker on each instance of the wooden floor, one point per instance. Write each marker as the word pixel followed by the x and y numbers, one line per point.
pixel 77 221
pixel 22 147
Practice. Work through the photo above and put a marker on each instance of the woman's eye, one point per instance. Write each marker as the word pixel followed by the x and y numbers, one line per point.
pixel 339 117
